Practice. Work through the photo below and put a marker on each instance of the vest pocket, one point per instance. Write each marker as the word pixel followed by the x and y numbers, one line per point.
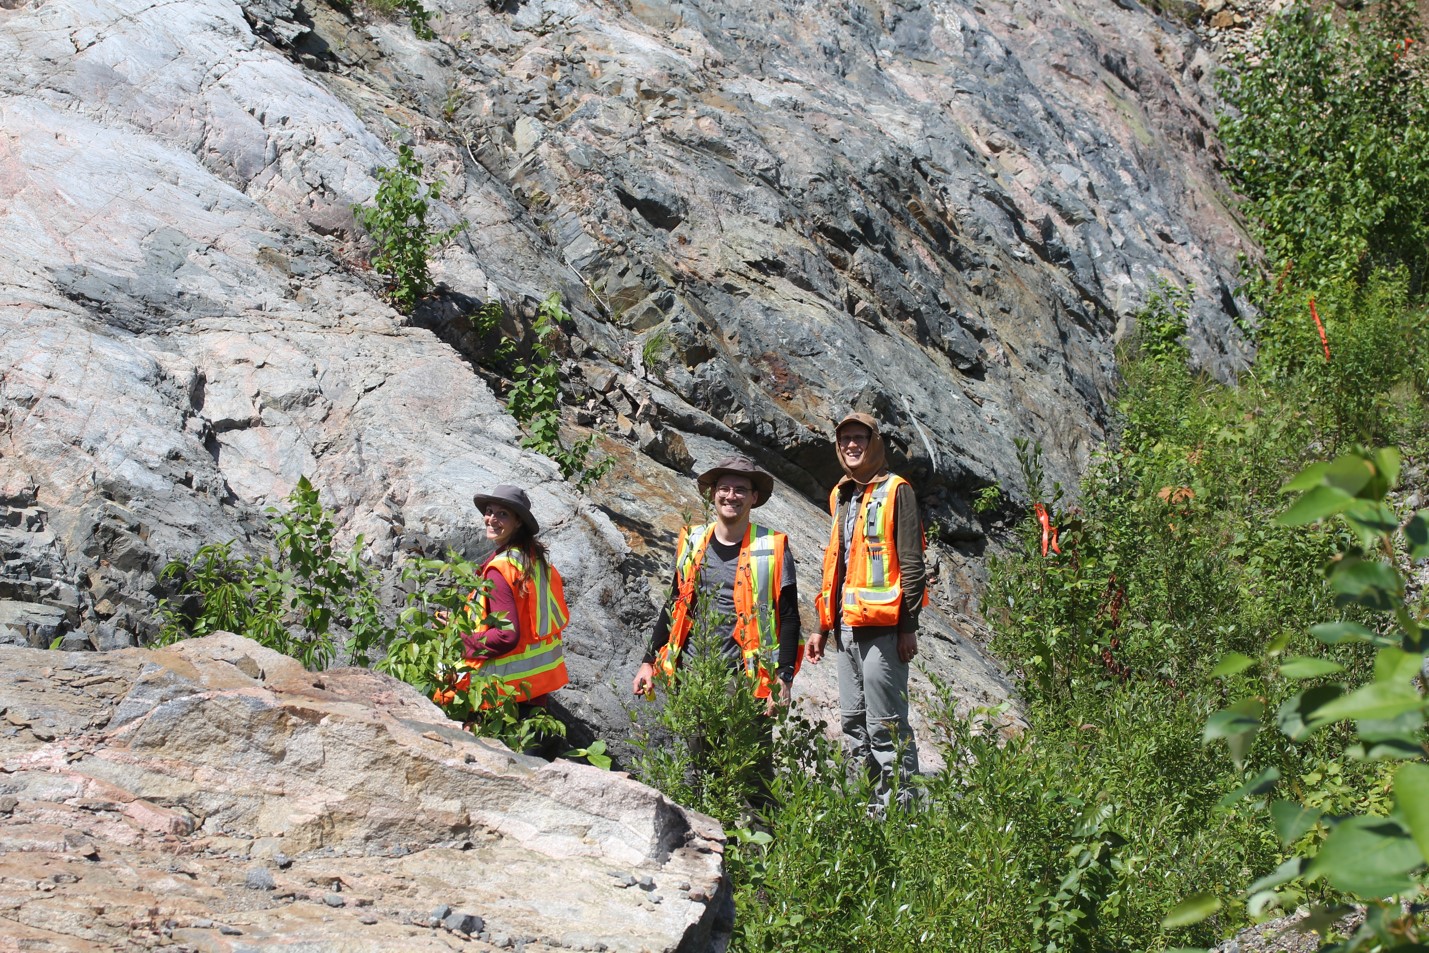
pixel 870 606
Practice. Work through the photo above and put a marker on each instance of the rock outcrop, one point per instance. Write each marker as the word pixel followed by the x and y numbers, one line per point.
pixel 216 797
pixel 759 214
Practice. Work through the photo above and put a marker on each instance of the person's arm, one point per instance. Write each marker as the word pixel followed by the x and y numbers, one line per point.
pixel 908 542
pixel 789 627
pixel 489 643
pixel 818 641
pixel 913 574
pixel 645 676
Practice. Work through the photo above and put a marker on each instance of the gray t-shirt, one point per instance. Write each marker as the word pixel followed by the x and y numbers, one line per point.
pixel 717 579
pixel 717 574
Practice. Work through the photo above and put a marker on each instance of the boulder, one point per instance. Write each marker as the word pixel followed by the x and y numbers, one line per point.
pixel 218 797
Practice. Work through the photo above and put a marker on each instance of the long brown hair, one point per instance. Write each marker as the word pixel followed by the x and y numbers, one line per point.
pixel 531 547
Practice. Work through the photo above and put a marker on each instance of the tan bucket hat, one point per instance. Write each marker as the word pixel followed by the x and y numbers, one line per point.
pixel 741 466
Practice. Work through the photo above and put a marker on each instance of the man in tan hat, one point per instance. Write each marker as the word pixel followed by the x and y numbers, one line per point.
pixel 874 587
pixel 746 573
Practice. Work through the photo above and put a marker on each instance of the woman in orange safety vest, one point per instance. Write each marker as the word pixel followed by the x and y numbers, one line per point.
pixel 526 598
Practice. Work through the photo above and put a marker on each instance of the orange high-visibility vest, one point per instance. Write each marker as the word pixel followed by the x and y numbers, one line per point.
pixel 758 577
pixel 872 589
pixel 537 665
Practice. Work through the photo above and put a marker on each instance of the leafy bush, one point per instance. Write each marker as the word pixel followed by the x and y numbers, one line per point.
pixel 419 16
pixel 299 602
pixel 1371 846
pixel 1371 387
pixel 534 400
pixel 486 322
pixel 704 740
pixel 1173 560
pixel 397 222
pixel 1328 140
pixel 1075 837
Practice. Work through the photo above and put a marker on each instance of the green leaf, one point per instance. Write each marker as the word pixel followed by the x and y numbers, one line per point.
pixel 1283 874
pixel 1386 462
pixel 1369 583
pixel 1371 519
pixel 1298 715
pixel 1408 725
pixel 1417 532
pixel 1237 724
pixel 1368 856
pixel 1233 663
pixel 1292 820
pixel 1396 665
pixel 1411 794
pixel 1260 784
pixel 1333 633
pixel 1190 911
pixel 1301 667
pixel 1350 473
pixel 1315 504
pixel 1377 700
pixel 1311 476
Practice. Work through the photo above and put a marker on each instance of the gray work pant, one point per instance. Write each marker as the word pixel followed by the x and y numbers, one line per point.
pixel 873 701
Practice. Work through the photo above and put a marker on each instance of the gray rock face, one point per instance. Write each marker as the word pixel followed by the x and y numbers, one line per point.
pixel 165 828
pixel 759 215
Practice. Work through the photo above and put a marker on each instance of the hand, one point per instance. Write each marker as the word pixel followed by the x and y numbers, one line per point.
pixel 814 647
pixel 907 646
pixel 777 700
pixel 644 683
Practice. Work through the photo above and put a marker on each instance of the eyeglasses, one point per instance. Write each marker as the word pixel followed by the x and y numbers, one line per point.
pixel 736 491
pixel 848 438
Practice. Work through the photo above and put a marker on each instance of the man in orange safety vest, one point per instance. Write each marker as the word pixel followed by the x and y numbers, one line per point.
pixel 874 587
pixel 744 573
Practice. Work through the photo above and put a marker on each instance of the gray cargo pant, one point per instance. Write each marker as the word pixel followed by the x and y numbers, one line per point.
pixel 873 702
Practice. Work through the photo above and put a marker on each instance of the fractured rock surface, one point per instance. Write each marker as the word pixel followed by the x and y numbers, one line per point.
pixel 759 214
pixel 217 797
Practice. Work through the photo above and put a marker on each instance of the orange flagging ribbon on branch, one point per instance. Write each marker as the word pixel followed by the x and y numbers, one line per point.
pixel 1049 532
pixel 1324 342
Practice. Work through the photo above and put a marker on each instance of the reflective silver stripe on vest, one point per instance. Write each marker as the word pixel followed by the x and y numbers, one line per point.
pixel 874 543
pixel 538 658
pixel 695 539
pixel 765 593
pixel 549 617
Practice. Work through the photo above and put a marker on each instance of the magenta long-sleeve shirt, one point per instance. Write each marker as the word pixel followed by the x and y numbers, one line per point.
pixel 489 643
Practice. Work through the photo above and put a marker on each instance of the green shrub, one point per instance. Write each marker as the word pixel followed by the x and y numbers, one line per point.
pixel 534 400
pixel 309 600
pixel 419 16
pixel 397 222
pixel 1074 837
pixel 1353 836
pixel 703 739
pixel 1328 140
pixel 1371 388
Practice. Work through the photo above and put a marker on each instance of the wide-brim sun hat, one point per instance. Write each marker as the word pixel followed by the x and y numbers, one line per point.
pixel 738 466
pixel 513 498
